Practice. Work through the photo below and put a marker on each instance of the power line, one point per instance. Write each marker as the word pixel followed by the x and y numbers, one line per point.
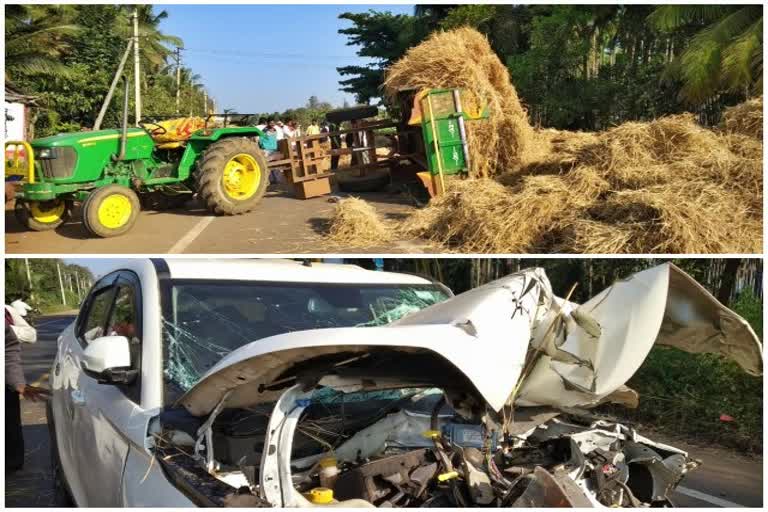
pixel 235 53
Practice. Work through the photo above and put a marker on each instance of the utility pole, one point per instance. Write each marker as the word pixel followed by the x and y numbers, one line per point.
pixel 29 278
pixel 178 78
pixel 205 103
pixel 136 70
pixel 61 284
pixel 79 290
pixel 108 98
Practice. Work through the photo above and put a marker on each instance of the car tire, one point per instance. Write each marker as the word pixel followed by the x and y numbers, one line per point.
pixel 111 211
pixel 232 176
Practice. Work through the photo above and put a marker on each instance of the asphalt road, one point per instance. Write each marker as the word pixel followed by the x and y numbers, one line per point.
pixel 280 224
pixel 725 479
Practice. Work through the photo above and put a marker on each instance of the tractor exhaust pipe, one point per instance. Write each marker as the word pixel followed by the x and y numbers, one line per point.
pixel 124 134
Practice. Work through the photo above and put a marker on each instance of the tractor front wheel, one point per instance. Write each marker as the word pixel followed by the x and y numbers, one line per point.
pixel 110 211
pixel 232 176
pixel 42 215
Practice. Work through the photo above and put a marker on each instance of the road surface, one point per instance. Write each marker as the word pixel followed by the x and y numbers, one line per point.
pixel 280 224
pixel 725 479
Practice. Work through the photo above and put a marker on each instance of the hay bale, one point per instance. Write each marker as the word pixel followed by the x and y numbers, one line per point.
pixel 745 118
pixel 463 58
pixel 356 223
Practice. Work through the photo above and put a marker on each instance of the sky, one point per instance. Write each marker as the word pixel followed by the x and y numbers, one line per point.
pixel 267 58
pixel 97 266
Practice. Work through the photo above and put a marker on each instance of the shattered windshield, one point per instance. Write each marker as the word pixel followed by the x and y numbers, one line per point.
pixel 211 319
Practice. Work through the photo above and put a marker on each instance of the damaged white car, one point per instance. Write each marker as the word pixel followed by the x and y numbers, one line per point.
pixel 294 385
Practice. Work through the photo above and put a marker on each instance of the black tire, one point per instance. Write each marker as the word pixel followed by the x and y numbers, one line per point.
pixel 96 199
pixel 62 497
pixel 373 181
pixel 210 179
pixel 351 114
pixel 23 211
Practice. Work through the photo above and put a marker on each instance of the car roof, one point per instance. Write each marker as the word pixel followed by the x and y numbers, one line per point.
pixel 283 270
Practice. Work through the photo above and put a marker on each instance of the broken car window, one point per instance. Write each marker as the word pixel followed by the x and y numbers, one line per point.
pixel 211 319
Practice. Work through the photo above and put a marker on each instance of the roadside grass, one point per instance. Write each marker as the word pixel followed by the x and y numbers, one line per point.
pixel 695 395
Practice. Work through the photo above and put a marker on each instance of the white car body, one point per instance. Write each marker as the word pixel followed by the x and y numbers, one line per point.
pixel 479 339
pixel 99 430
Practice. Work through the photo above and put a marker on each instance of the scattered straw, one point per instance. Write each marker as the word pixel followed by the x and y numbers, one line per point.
pixel 667 186
pixel 355 223
pixel 745 118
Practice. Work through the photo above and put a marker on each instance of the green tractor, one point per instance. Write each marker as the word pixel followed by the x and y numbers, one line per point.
pixel 112 172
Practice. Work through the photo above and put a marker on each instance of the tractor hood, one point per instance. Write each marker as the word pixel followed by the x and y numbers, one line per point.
pixel 70 139
pixel 511 339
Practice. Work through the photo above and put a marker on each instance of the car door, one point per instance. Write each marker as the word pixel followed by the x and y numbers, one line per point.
pixel 66 393
pixel 105 413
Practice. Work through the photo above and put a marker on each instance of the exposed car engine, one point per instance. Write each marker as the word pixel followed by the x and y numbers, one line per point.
pixel 410 448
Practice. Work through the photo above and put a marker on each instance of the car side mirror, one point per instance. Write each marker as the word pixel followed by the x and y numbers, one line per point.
pixel 108 359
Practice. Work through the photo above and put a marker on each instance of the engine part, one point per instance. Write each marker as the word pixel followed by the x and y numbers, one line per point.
pixel 467 436
pixel 552 490
pixel 329 471
pixel 651 476
pixel 479 483
pixel 381 479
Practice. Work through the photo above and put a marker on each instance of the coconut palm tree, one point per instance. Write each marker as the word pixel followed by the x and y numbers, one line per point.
pixel 36 37
pixel 156 46
pixel 724 55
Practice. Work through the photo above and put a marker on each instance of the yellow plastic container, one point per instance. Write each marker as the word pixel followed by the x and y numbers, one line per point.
pixel 320 496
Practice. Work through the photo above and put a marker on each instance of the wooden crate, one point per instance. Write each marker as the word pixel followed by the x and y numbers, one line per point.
pixel 312 188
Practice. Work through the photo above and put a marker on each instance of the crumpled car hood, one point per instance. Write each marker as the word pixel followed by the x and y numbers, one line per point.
pixel 486 334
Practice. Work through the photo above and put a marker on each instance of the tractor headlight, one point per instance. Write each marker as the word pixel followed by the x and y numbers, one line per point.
pixel 46 154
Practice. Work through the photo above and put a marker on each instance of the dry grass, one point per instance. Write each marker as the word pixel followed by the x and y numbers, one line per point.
pixel 745 118
pixel 463 58
pixel 355 223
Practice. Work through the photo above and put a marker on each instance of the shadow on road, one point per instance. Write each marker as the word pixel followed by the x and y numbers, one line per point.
pixel 32 486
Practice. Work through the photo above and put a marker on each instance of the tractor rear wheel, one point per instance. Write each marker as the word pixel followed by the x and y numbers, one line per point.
pixel 110 211
pixel 232 176
pixel 42 215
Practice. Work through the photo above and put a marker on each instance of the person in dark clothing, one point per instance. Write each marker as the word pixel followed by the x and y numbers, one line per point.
pixel 15 388
pixel 335 142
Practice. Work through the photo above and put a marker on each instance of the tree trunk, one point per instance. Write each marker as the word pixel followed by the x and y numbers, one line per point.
pixel 728 280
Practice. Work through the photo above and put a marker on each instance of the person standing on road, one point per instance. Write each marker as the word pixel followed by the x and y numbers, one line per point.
pixel 15 389
pixel 313 128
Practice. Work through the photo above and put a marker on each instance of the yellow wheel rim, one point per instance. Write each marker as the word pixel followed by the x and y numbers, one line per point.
pixel 242 176
pixel 114 211
pixel 47 215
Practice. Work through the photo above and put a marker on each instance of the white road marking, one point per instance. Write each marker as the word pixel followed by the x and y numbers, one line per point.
pixel 708 498
pixel 193 233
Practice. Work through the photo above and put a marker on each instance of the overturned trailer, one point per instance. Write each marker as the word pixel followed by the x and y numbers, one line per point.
pixel 480 400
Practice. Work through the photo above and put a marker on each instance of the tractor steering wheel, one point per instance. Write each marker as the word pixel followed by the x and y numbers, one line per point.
pixel 158 130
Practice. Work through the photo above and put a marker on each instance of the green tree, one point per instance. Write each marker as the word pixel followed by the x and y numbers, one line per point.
pixel 36 38
pixel 383 37
pixel 725 54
